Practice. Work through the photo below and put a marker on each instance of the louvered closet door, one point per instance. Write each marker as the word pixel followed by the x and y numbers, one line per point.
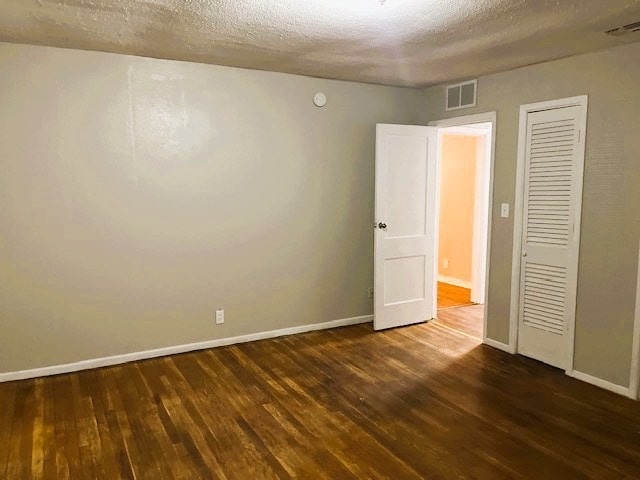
pixel 548 275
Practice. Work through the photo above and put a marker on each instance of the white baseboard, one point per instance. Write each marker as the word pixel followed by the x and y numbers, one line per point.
pixel 454 281
pixel 598 382
pixel 496 344
pixel 190 347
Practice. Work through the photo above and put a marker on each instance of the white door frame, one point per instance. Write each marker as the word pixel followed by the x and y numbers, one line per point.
pixel 488 117
pixel 518 211
pixel 634 381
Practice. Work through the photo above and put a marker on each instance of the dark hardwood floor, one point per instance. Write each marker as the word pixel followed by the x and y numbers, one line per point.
pixel 411 403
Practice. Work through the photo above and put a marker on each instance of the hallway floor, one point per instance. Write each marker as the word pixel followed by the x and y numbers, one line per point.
pixel 456 311
pixel 452 296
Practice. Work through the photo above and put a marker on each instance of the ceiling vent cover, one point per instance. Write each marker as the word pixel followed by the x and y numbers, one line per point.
pixel 632 27
pixel 461 95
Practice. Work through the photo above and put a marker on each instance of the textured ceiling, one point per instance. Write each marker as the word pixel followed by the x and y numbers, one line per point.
pixel 396 42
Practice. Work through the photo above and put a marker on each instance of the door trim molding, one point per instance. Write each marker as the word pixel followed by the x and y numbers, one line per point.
pixel 579 101
pixel 634 380
pixel 486 117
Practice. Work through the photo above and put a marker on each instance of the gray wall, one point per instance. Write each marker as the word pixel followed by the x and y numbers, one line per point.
pixel 138 195
pixel 611 200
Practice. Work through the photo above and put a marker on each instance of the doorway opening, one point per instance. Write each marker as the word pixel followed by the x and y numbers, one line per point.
pixel 462 225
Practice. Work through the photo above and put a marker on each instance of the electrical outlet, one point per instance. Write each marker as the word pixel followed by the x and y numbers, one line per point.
pixel 370 292
pixel 445 263
pixel 219 316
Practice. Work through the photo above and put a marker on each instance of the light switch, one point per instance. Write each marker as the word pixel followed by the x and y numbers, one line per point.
pixel 504 210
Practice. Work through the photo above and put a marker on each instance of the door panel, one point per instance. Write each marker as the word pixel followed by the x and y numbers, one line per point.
pixel 548 275
pixel 405 206
pixel 406 186
pixel 404 279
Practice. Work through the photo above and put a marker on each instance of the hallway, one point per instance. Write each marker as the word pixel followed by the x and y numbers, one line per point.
pixel 457 312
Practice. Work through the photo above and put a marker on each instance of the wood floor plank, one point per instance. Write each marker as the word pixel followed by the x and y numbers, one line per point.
pixel 38 434
pixel 426 401
pixel 20 444
pixel 8 394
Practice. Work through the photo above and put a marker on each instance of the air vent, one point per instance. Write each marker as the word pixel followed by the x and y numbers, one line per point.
pixel 461 95
pixel 617 32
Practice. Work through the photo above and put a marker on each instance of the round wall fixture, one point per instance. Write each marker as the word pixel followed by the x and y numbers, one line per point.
pixel 320 99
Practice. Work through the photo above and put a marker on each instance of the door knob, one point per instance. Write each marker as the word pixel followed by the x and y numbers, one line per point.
pixel 382 225
pixel 524 254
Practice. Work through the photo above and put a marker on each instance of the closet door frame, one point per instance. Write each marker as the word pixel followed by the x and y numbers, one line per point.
pixel 518 211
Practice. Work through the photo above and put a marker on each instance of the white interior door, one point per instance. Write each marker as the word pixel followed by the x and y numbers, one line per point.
pixel 550 234
pixel 405 188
